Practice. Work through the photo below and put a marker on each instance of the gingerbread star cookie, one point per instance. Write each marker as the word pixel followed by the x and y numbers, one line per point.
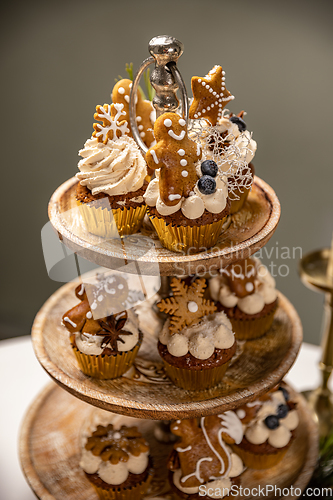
pixel 187 305
pixel 210 96
pixel 144 109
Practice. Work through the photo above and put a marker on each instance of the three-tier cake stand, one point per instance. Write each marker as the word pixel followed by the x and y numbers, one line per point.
pixel 50 441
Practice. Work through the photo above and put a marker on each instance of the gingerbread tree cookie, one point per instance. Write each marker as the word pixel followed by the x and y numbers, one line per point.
pixel 176 155
pixel 202 453
pixel 210 96
pixel 187 305
pixel 120 94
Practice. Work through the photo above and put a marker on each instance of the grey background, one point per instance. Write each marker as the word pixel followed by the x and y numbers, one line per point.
pixel 59 59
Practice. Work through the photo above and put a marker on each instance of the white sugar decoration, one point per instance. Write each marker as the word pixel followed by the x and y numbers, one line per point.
pixel 179 137
pixel 127 99
pixel 192 306
pixel 138 118
pixel 80 292
pixel 181 152
pixel 182 122
pixel 229 155
pixel 113 122
pixel 121 90
pixel 249 287
pixel 142 134
pixel 167 122
pixel 66 318
pixel 152 152
pixel 173 197
pixel 183 163
pixel 184 173
pixel 89 315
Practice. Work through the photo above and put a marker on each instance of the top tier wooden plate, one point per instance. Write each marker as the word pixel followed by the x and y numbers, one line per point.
pixel 247 232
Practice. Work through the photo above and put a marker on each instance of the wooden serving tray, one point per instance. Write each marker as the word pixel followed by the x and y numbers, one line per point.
pixel 145 391
pixel 50 451
pixel 247 232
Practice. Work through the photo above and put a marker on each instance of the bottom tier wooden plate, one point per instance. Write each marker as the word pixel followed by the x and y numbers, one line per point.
pixel 50 451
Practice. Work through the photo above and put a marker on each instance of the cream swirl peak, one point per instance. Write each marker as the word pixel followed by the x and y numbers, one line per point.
pixel 114 168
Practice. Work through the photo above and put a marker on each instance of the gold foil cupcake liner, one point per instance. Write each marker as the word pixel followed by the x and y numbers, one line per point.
pixel 196 380
pixel 106 367
pixel 252 328
pixel 111 223
pixel 186 239
pixel 260 461
pixel 135 492
pixel 237 205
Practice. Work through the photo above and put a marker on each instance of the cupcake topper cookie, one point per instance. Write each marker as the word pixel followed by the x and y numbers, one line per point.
pixel 176 155
pixel 187 305
pixel 202 453
pixel 112 127
pixel 120 95
pixel 210 96
pixel 241 277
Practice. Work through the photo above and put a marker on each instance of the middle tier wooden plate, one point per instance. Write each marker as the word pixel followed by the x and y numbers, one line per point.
pixel 145 391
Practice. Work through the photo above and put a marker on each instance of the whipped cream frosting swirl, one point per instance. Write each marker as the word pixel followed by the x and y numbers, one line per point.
pixel 265 292
pixel 201 339
pixel 114 168
pixel 192 207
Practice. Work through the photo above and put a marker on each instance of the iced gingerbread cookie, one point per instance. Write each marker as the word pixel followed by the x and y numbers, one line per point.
pixel 114 126
pixel 176 155
pixel 210 96
pixel 144 110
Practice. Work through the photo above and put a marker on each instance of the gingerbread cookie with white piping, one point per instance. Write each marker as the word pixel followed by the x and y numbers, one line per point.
pixel 144 110
pixel 176 155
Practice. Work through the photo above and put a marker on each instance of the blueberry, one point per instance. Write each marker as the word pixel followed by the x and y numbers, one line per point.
pixel 272 422
pixel 207 185
pixel 285 393
pixel 239 122
pixel 282 411
pixel 209 167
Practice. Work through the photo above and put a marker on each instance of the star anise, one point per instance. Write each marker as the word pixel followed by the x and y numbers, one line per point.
pixel 113 325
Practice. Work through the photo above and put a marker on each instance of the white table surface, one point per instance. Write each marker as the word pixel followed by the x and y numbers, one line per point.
pixel 22 378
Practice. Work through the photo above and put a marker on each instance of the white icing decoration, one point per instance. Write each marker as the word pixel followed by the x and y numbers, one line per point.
pixel 152 152
pixel 179 137
pixel 197 471
pixel 241 413
pixel 182 122
pixel 167 122
pixel 138 118
pixel 121 90
pixel 81 291
pixel 184 173
pixel 182 450
pixel 181 152
pixel 183 163
pixel 89 315
pixel 113 122
pixel 173 197
pixel 66 318
pixel 142 134
pixel 192 306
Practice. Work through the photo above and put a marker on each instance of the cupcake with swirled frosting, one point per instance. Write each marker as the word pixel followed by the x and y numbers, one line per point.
pixel 112 177
pixel 195 343
pixel 116 461
pixel 270 425
pixel 246 292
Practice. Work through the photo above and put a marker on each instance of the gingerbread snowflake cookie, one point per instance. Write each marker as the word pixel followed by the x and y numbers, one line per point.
pixel 144 110
pixel 210 96
pixel 113 124
pixel 176 155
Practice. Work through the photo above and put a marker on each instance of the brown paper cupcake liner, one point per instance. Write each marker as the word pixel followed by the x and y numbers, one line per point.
pixel 106 367
pixel 196 380
pixel 252 328
pixel 117 493
pixel 184 238
pixel 111 223
pixel 262 461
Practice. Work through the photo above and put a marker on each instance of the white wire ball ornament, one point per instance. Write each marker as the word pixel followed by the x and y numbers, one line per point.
pixel 165 79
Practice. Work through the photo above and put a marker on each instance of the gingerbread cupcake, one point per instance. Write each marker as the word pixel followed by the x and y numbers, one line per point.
pixel 270 425
pixel 113 171
pixel 186 207
pixel 196 343
pixel 224 137
pixel 105 339
pixel 117 463
pixel 246 292
pixel 202 464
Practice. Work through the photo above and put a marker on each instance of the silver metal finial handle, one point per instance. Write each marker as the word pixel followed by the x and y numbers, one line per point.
pixel 165 79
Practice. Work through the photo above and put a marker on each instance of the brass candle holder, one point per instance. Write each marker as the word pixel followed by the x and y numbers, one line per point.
pixel 316 272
